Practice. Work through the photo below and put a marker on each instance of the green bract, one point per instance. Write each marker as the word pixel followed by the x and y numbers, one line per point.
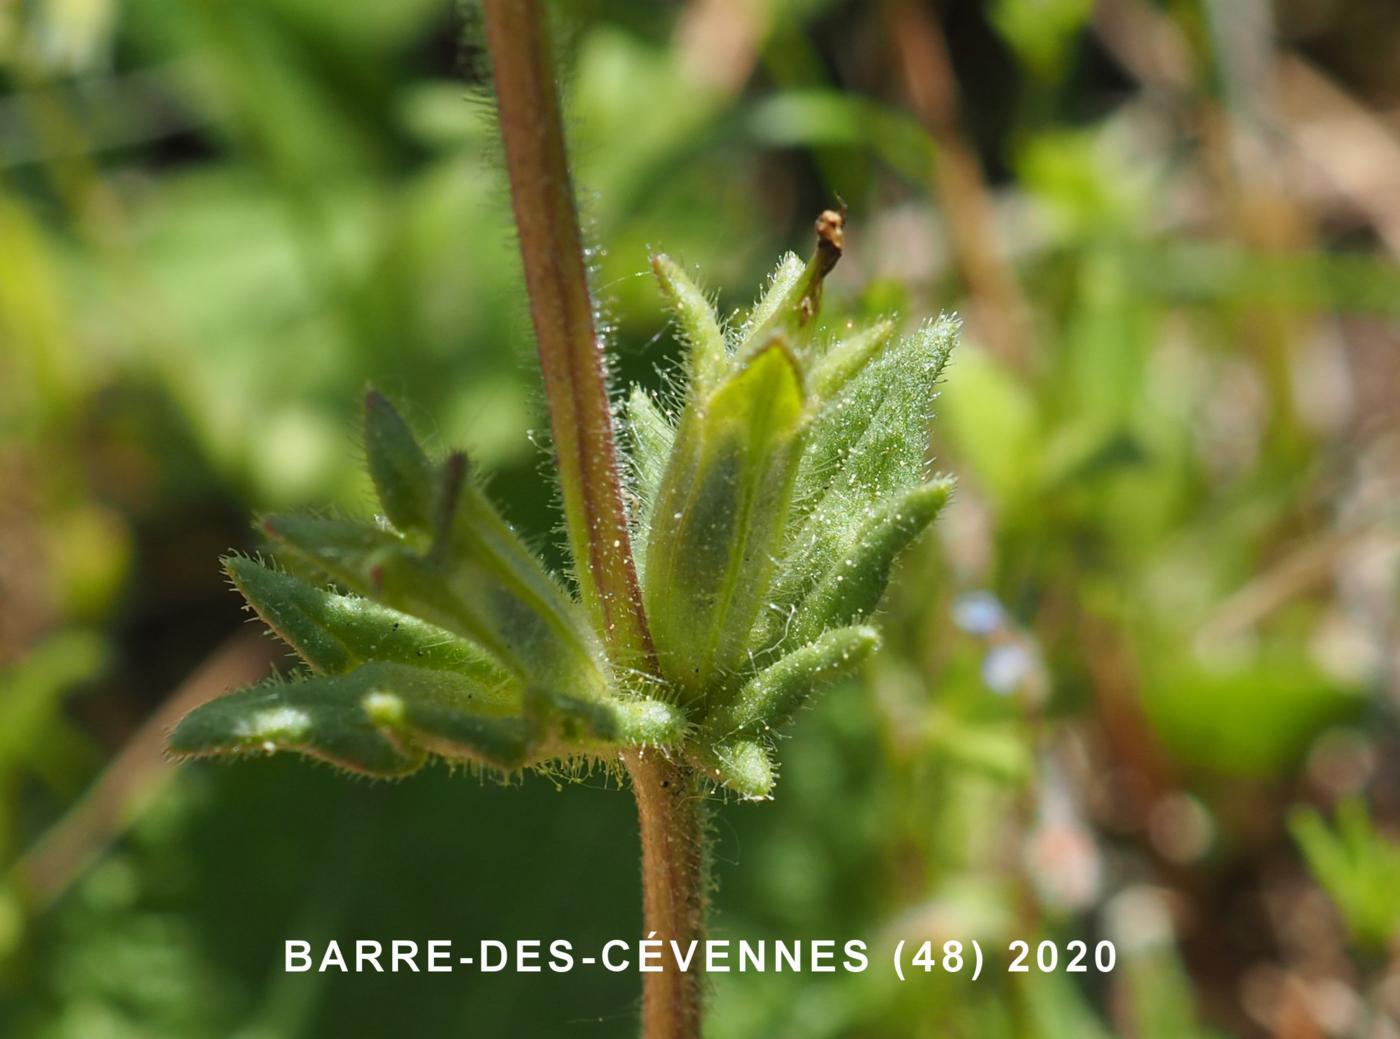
pixel 765 517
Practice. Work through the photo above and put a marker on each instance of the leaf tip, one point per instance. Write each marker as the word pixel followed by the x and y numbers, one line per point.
pixel 745 767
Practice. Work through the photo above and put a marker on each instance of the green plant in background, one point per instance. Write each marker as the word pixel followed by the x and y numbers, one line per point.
pixel 767 517
pixel 1175 488
pixel 1356 865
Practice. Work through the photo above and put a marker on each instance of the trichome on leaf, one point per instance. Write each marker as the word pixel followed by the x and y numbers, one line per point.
pixel 766 519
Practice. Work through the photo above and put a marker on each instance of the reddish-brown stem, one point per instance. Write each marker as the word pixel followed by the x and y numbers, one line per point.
pixel 668 807
pixel 673 891
pixel 570 353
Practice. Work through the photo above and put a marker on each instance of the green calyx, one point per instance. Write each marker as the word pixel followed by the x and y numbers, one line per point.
pixel 767 512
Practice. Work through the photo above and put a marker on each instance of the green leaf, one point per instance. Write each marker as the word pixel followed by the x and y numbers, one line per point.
pixel 320 717
pixel 446 731
pixel 378 719
pixel 865 449
pixel 345 551
pixel 792 480
pixel 335 633
pixel 847 358
pixel 851 588
pixel 794 296
pixel 719 517
pixel 652 437
pixel 481 582
pixel 1356 866
pixel 871 437
pixel 564 719
pixel 783 291
pixel 645 721
pixel 403 477
pixel 773 695
pixel 560 716
pixel 707 359
pixel 478 581
pixel 743 766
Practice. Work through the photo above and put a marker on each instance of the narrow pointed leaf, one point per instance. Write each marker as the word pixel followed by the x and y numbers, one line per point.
pixel 794 296
pixel 846 358
pixel 865 448
pixel 719 519
pixel 779 293
pixel 344 551
pixel 707 359
pixel 773 695
pixel 851 588
pixel 873 434
pixel 319 717
pixel 366 721
pixel 482 583
pixel 743 766
pixel 449 733
pixel 652 437
pixel 404 478
pixel 335 633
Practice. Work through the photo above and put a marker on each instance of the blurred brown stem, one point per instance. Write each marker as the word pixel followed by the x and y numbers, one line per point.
pixel 572 363
pixel 922 55
pixel 134 776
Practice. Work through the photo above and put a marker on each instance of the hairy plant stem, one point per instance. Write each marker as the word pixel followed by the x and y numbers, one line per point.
pixel 571 356
pixel 668 805
pixel 671 811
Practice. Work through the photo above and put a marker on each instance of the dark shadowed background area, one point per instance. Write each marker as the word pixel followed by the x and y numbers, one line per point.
pixel 1142 680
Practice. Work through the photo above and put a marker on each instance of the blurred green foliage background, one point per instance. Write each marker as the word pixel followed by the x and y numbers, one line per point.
pixel 1142 682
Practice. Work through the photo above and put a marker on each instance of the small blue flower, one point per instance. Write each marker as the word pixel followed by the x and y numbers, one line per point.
pixel 1006 667
pixel 979 613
